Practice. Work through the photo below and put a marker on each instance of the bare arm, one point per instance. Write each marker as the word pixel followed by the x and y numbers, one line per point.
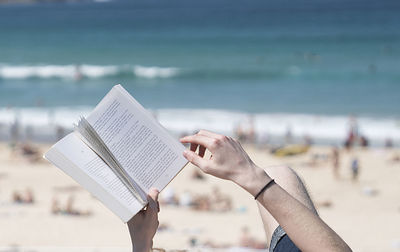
pixel 143 226
pixel 304 227
pixel 229 161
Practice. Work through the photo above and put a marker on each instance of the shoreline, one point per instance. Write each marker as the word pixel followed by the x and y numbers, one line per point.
pixel 50 124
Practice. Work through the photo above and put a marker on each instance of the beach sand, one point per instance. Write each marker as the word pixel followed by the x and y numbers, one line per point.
pixel 365 213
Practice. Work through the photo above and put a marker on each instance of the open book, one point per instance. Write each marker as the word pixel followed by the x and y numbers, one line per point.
pixel 118 153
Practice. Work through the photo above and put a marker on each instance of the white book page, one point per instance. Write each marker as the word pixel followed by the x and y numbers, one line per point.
pixel 142 146
pixel 78 161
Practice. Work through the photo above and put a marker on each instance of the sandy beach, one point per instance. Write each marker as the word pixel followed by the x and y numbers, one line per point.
pixel 365 213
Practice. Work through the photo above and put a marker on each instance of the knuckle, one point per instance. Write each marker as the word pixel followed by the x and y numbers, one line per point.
pixel 190 157
pixel 201 132
pixel 222 138
pixel 215 143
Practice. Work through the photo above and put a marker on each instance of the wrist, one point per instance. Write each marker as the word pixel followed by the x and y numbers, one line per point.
pixel 143 246
pixel 253 180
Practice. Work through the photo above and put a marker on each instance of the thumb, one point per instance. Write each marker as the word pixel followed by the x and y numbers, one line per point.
pixel 152 198
pixel 195 159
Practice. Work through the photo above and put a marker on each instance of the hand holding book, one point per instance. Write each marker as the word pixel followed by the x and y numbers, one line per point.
pixel 143 226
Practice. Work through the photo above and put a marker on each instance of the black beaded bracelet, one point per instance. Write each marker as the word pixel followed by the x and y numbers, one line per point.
pixel 264 188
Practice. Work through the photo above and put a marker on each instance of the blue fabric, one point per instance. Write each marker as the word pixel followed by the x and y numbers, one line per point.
pixel 286 245
pixel 280 242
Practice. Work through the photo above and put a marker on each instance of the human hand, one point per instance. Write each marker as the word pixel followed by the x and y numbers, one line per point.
pixel 228 160
pixel 143 226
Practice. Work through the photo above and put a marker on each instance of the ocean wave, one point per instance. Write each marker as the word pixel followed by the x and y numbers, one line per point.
pixel 155 72
pixel 322 128
pixel 77 72
pixel 84 71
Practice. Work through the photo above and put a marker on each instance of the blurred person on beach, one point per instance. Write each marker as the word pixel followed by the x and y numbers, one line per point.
pixel 60 132
pixel 78 73
pixel 364 141
pixel 388 143
pixel 29 133
pixel 23 198
pixel 290 219
pixel 69 208
pixel 246 134
pixel 15 131
pixel 248 241
pixel 252 132
pixel 353 132
pixel 288 135
pixel 186 199
pixel 17 197
pixel 219 201
pixel 355 168
pixel 169 197
pixel 197 175
pixel 30 152
pixel 55 206
pixel 335 161
pixel 395 158
pixel 307 140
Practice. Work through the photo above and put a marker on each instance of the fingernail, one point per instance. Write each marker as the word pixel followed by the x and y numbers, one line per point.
pixel 154 190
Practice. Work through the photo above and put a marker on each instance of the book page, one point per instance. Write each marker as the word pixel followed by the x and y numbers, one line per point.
pixel 142 146
pixel 89 136
pixel 77 160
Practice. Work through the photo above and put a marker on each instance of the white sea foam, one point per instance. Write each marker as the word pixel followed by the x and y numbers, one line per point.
pixel 38 117
pixel 56 71
pixel 155 72
pixel 328 129
pixel 85 71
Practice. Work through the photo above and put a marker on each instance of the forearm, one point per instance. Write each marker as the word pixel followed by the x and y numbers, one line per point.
pixel 304 227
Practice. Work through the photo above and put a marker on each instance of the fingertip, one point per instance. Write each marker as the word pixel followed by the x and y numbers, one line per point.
pixel 183 139
pixel 152 198
pixel 186 154
pixel 190 155
pixel 153 192
pixel 154 189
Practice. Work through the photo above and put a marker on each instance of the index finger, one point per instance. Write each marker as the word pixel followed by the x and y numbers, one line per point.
pixel 199 139
pixel 209 134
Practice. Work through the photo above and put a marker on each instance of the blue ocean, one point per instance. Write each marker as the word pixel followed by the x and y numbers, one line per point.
pixel 299 65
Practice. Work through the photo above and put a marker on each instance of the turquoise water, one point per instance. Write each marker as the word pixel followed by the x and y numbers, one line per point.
pixel 335 57
pixel 315 58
